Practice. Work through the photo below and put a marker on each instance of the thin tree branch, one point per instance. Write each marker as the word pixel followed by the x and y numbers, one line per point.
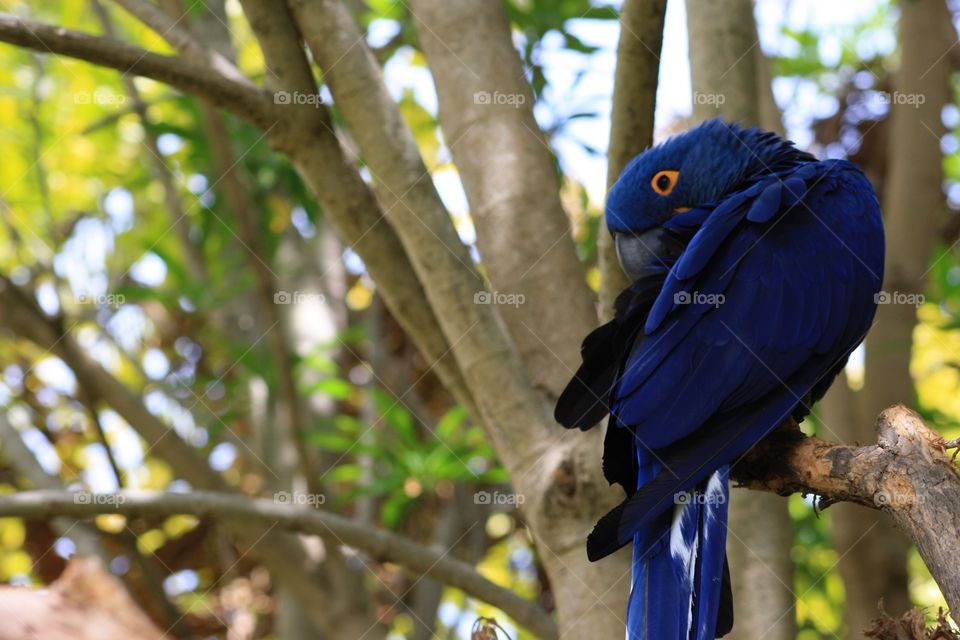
pixel 906 474
pixel 86 536
pixel 380 544
pixel 23 460
pixel 284 556
pixel 631 122
pixel 190 78
pixel 179 220
pixel 174 32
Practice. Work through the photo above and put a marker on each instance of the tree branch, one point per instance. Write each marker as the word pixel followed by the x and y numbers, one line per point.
pixel 515 415
pixel 23 460
pixel 314 151
pixel 185 76
pixel 282 555
pixel 87 537
pixel 631 123
pixel 182 40
pixel 305 134
pixel 179 220
pixel 382 545
pixel 510 178
pixel 907 474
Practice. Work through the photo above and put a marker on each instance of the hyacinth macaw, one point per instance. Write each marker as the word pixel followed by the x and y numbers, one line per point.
pixel 754 270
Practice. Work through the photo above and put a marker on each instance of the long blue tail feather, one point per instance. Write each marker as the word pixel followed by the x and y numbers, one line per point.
pixel 711 555
pixel 678 562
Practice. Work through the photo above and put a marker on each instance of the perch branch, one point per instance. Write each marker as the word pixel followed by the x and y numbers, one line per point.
pixel 382 545
pixel 907 474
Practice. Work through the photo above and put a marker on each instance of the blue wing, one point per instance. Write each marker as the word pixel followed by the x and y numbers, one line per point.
pixel 770 296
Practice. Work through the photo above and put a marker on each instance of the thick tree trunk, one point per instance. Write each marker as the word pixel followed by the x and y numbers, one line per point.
pixel 726 65
pixel 509 175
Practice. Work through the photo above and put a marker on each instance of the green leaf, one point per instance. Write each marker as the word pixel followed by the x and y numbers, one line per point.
pixel 344 473
pixel 334 387
pixel 450 423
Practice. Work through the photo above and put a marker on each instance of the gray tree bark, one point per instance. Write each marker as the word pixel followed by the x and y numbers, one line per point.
pixel 510 178
pixel 631 121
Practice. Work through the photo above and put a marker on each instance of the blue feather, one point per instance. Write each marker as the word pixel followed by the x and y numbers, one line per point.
pixel 772 290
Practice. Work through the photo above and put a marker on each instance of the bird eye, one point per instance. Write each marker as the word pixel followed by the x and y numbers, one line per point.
pixel 664 182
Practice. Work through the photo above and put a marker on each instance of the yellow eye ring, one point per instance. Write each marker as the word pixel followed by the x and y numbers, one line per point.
pixel 664 182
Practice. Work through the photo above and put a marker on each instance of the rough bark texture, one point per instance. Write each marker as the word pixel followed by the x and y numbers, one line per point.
pixel 913 207
pixel 725 65
pixel 631 121
pixel 907 474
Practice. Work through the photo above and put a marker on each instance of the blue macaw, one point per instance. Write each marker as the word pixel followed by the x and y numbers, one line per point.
pixel 754 272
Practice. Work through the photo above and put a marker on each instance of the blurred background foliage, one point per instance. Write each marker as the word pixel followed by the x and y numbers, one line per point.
pixel 86 224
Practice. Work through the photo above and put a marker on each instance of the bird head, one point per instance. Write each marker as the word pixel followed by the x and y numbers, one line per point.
pixel 690 170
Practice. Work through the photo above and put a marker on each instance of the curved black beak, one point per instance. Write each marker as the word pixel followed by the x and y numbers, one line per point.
pixel 640 252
